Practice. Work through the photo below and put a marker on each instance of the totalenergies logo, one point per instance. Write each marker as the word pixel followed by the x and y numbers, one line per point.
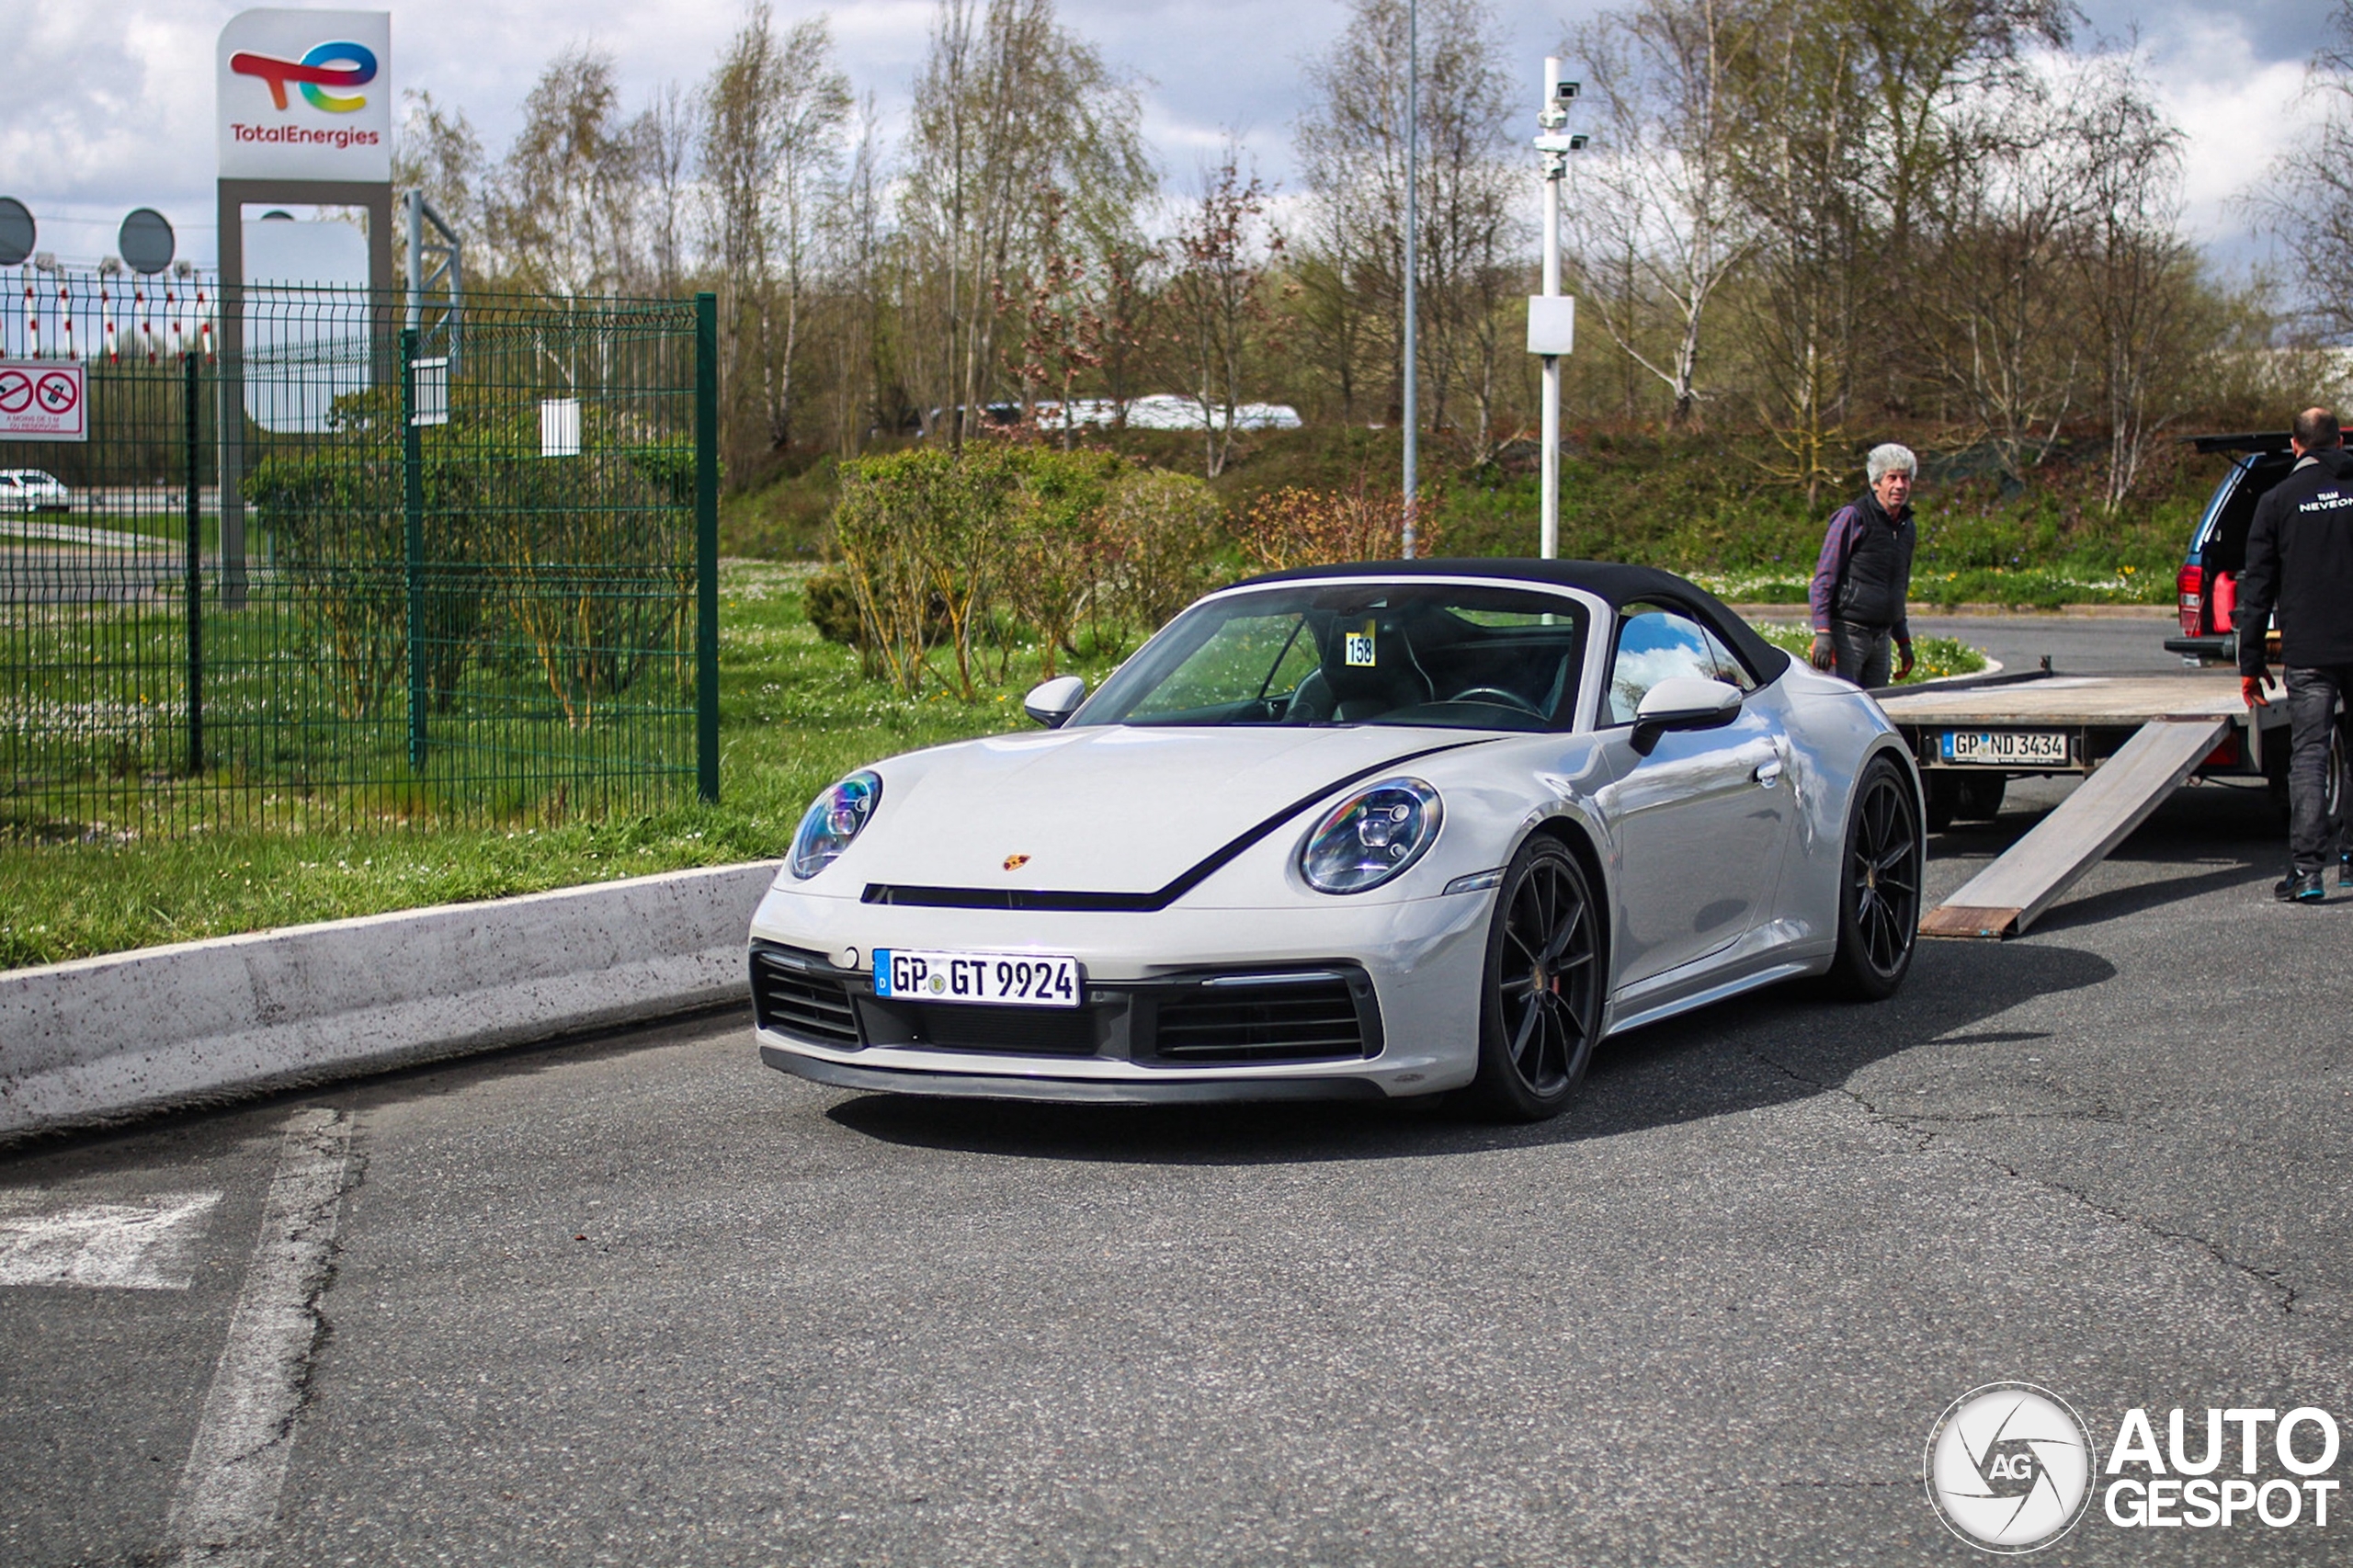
pixel 339 64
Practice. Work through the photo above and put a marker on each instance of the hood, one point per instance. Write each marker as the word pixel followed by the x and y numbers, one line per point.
pixel 1110 809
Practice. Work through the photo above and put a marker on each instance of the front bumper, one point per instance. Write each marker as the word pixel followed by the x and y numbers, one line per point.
pixel 1368 999
pixel 1067 1091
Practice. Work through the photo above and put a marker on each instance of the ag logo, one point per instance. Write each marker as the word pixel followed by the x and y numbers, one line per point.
pixel 1360 652
pixel 2008 1468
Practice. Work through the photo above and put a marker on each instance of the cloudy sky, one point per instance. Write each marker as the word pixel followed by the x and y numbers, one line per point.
pixel 109 103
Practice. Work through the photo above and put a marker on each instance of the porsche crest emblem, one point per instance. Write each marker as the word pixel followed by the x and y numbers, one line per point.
pixel 1014 862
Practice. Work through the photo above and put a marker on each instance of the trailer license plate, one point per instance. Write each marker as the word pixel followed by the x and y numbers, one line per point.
pixel 2012 748
pixel 1024 980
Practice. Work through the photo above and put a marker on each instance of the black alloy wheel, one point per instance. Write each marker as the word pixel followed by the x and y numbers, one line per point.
pixel 1878 886
pixel 1541 1008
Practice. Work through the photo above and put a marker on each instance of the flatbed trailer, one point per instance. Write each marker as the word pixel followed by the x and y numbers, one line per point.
pixel 2133 739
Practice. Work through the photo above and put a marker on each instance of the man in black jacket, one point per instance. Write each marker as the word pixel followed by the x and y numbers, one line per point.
pixel 1865 574
pixel 2299 560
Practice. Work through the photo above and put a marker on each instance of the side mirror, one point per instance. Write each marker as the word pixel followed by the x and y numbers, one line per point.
pixel 1051 703
pixel 1683 702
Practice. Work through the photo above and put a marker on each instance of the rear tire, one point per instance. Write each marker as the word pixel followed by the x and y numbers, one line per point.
pixel 1541 1003
pixel 1878 886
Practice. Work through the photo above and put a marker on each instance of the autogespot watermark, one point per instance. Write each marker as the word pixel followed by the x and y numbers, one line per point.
pixel 2011 1468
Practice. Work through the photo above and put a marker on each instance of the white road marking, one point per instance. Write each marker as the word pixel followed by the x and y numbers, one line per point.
pixel 227 1505
pixel 144 1245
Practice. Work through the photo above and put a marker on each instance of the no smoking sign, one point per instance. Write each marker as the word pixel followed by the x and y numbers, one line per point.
pixel 43 399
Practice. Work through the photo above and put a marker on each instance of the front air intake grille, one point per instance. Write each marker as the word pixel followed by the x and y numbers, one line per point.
pixel 792 994
pixel 1268 1018
pixel 979 1025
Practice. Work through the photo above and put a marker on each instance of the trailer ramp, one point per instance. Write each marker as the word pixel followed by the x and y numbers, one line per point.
pixel 2010 895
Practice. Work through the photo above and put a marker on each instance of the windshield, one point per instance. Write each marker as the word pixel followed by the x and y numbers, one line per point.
pixel 1357 653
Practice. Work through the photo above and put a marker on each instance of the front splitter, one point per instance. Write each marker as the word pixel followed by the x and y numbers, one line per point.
pixel 1068 1091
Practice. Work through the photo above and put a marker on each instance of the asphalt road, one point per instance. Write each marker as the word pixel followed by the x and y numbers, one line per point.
pixel 643 1301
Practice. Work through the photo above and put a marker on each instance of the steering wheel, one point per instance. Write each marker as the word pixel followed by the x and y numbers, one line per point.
pixel 1498 696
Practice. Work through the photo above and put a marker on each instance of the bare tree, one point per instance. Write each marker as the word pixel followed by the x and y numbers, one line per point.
pixel 1994 325
pixel 773 115
pixel 1062 333
pixel 1128 301
pixel 2137 277
pixel 2308 197
pixel 1352 144
pixel 666 134
pixel 1010 105
pixel 441 155
pixel 857 335
pixel 565 216
pixel 1217 299
pixel 1654 198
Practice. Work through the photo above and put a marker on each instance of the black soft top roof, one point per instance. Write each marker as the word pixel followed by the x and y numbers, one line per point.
pixel 1613 581
pixel 2245 441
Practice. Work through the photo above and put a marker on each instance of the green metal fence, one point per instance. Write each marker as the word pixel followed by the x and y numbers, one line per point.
pixel 357 571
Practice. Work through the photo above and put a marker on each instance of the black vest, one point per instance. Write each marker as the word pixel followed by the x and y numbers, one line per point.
pixel 1878 569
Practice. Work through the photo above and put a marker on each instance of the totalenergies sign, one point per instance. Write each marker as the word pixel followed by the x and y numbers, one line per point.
pixel 306 95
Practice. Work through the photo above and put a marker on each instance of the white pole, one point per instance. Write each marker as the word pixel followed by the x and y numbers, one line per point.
pixel 415 317
pixel 1413 223
pixel 1549 544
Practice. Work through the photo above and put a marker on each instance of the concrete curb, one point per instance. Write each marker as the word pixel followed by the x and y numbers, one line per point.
pixel 100 1039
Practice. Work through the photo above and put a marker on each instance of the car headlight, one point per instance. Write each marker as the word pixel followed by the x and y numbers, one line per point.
pixel 1371 837
pixel 834 818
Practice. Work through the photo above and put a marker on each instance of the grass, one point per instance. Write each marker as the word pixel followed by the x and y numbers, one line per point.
pixel 794 716
pixel 1935 658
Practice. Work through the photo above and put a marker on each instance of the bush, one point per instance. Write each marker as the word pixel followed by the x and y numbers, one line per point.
pixel 558 550
pixel 936 548
pixel 1294 527
pixel 919 526
pixel 830 600
pixel 1055 542
pixel 1163 534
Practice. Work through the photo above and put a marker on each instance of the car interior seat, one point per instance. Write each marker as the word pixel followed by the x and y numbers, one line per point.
pixel 1369 667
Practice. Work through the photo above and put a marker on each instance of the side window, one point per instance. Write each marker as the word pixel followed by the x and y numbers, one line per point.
pixel 1729 669
pixel 1655 644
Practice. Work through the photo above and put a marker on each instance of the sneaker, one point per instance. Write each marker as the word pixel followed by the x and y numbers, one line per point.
pixel 2301 887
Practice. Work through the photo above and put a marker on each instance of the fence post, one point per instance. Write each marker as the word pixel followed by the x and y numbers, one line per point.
pixel 707 545
pixel 194 571
pixel 412 551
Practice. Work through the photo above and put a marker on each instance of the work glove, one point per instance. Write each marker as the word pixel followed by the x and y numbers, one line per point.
pixel 2252 688
pixel 1903 669
pixel 1825 653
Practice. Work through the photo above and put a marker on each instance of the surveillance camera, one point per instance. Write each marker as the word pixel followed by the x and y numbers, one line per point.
pixel 1577 141
pixel 1565 91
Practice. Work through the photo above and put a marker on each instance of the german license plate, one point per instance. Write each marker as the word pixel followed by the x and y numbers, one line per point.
pixel 2005 747
pixel 1023 980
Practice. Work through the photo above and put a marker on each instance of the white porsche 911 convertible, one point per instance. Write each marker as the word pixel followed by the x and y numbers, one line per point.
pixel 1360 831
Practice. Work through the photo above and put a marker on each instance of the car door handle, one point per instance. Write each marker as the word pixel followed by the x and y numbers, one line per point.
pixel 1768 773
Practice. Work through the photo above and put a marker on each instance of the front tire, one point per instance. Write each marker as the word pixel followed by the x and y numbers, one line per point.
pixel 1540 1007
pixel 1879 884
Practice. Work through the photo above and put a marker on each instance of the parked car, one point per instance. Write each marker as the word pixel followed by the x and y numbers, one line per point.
pixel 1366 830
pixel 30 490
pixel 2206 588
